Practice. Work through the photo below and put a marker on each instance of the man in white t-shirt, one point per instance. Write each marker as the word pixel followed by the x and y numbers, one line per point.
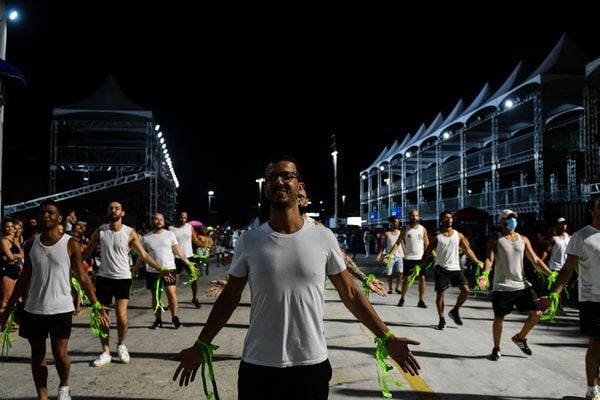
pixel 46 278
pixel 161 244
pixel 584 250
pixel 286 261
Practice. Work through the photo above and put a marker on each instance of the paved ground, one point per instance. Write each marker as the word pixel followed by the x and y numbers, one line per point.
pixel 454 360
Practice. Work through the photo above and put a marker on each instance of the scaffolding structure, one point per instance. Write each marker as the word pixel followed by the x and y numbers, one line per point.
pixel 524 146
pixel 105 148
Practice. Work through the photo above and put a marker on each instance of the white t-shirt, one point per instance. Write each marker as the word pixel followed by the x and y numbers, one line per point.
pixel 286 273
pixel 184 238
pixel 160 247
pixel 50 291
pixel 585 244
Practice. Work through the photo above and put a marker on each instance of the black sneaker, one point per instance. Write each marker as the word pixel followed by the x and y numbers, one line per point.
pixel 401 302
pixel 421 304
pixel 398 291
pixel 495 356
pixel 157 324
pixel 176 322
pixel 196 303
pixel 522 344
pixel 441 324
pixel 455 316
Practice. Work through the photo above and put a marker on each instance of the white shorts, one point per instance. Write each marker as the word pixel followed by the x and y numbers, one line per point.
pixel 396 266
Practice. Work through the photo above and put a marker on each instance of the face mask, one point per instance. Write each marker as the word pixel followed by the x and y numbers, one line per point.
pixel 511 224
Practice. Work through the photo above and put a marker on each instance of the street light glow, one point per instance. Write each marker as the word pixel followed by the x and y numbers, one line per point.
pixel 13 15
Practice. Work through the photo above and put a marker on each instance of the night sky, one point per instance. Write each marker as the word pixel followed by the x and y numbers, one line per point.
pixel 280 81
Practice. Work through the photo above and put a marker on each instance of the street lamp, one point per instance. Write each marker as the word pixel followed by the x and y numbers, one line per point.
pixel 3 31
pixel 211 194
pixel 344 205
pixel 334 154
pixel 260 182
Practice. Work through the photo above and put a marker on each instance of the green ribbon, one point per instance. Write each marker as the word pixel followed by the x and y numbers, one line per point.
pixel 206 353
pixel 158 289
pixel 193 276
pixel 6 343
pixel 552 279
pixel 366 283
pixel 549 316
pixel 82 295
pixel 95 320
pixel 478 274
pixel 414 275
pixel 381 354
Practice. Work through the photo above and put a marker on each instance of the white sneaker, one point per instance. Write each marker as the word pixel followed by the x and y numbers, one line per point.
pixel 123 354
pixel 64 393
pixel 102 360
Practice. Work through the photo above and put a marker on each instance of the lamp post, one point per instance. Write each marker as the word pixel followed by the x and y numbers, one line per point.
pixel 260 182
pixel 344 205
pixel 211 194
pixel 334 154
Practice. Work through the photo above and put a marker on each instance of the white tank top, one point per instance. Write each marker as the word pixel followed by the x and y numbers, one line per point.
pixel 447 252
pixel 114 252
pixel 50 291
pixel 184 238
pixel 391 241
pixel 414 242
pixel 508 274
pixel 558 253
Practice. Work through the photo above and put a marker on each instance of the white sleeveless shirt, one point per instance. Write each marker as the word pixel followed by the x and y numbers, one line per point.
pixel 414 242
pixel 184 238
pixel 391 241
pixel 508 275
pixel 558 253
pixel 114 252
pixel 447 252
pixel 50 291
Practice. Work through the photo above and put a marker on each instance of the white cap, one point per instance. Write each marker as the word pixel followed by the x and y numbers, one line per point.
pixel 561 220
pixel 505 214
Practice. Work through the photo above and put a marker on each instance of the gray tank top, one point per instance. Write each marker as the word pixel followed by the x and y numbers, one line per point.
pixel 508 273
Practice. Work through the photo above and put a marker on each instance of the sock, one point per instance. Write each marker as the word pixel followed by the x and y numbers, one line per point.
pixel 591 390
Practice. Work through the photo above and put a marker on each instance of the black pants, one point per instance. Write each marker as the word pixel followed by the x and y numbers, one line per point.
pixel 301 383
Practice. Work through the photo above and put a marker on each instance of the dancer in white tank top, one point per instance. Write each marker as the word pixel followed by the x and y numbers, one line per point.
pixel 49 305
pixel 393 260
pixel 114 276
pixel 447 268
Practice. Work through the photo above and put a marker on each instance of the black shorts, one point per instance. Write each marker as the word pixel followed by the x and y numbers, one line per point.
pixel 589 318
pixel 503 302
pixel 180 265
pixel 295 383
pixel 38 326
pixel 151 279
pixel 409 267
pixel 12 271
pixel 443 278
pixel 107 288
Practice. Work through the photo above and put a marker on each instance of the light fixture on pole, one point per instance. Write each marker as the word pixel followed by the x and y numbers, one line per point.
pixel 344 205
pixel 334 154
pixel 12 15
pixel 211 194
pixel 260 182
